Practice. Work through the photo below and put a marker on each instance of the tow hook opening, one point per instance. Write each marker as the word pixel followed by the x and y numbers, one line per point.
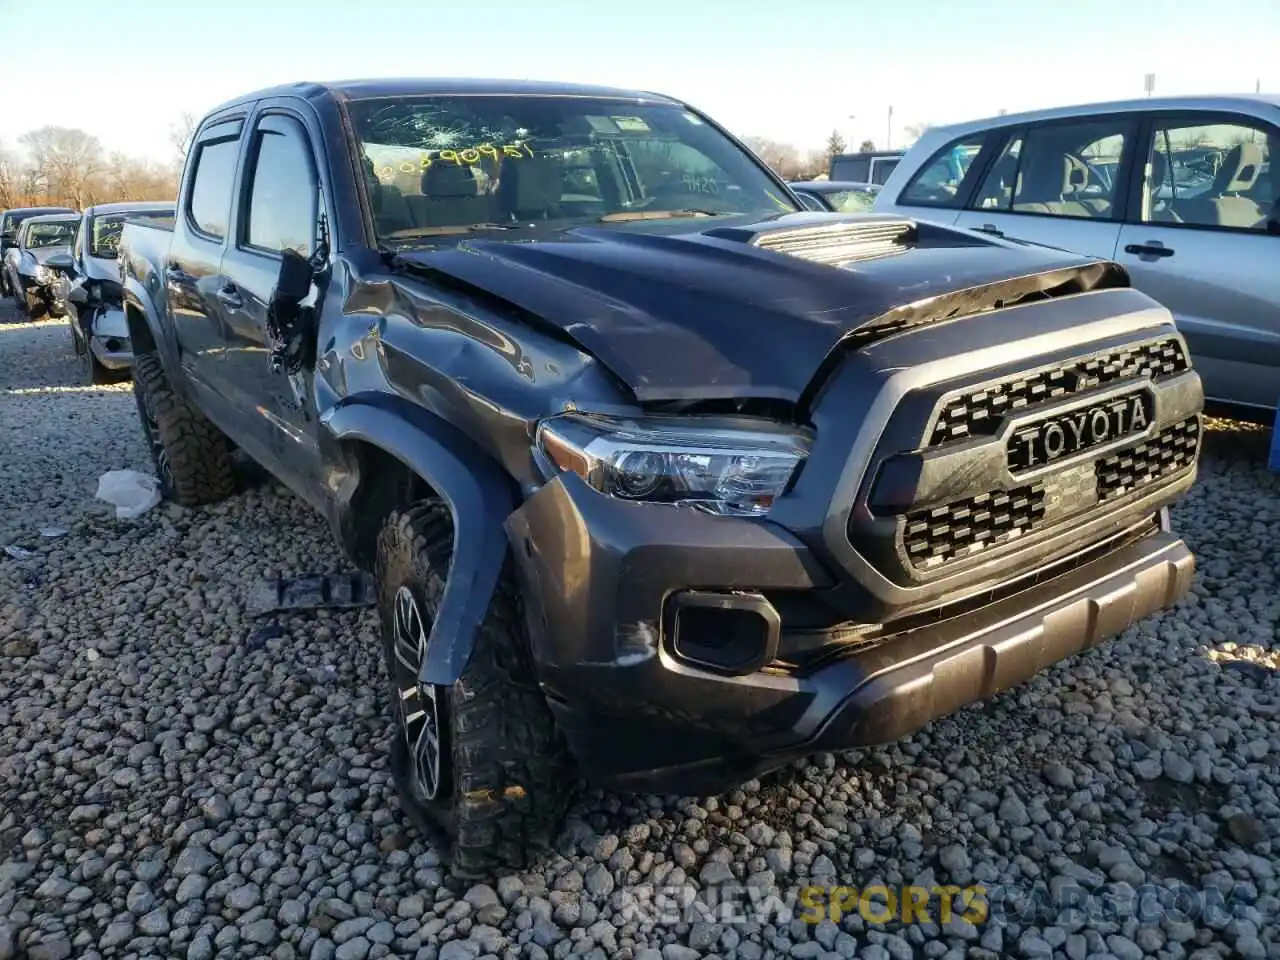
pixel 733 633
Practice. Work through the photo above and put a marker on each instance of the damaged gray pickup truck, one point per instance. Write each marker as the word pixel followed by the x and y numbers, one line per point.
pixel 658 474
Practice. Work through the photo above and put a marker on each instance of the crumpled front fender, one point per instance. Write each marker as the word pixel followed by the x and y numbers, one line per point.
pixel 480 497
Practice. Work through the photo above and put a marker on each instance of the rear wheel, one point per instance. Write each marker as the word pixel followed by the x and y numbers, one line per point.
pixel 478 763
pixel 192 457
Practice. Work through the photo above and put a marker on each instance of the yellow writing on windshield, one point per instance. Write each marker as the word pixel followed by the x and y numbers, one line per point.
pixel 465 157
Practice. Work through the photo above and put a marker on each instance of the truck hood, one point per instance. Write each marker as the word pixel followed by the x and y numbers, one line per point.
pixel 702 309
pixel 41 254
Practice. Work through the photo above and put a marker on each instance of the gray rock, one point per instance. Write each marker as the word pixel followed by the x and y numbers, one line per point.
pixel 1013 811
pixel 243 897
pixel 193 860
pixel 356 948
pixel 261 932
pixel 1178 769
pixel 155 923
pixel 50 948
pixel 192 887
pixel 955 860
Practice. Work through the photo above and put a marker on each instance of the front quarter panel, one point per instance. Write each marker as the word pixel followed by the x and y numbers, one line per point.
pixel 452 388
pixel 465 358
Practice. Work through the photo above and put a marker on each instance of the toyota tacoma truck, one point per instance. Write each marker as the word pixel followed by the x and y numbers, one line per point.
pixel 663 479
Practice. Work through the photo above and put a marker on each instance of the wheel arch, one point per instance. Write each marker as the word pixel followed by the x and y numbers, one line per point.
pixel 399 453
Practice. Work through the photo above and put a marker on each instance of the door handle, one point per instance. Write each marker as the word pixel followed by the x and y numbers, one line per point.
pixel 1149 250
pixel 230 297
pixel 990 228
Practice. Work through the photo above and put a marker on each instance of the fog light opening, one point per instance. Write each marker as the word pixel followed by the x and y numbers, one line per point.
pixel 730 633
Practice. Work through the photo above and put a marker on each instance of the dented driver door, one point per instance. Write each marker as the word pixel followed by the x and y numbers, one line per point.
pixel 278 211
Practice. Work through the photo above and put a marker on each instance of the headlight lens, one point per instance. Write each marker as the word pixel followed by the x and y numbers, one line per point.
pixel 717 466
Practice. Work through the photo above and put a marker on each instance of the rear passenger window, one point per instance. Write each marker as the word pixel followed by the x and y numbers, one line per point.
pixel 282 199
pixel 996 192
pixel 1211 175
pixel 210 204
pixel 1067 170
pixel 938 184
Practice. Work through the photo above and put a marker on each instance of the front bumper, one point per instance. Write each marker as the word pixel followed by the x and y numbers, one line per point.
pixel 601 579
pixel 112 352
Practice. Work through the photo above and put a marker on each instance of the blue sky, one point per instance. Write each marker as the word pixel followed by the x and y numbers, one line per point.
pixel 791 70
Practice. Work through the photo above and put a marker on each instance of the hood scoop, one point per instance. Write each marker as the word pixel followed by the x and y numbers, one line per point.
pixel 837 244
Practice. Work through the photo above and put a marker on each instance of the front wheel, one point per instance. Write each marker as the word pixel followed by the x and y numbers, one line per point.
pixel 35 304
pixel 479 761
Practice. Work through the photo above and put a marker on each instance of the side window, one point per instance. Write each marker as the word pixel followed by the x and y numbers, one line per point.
pixel 210 200
pixel 283 194
pixel 856 169
pixel 996 192
pixel 1069 169
pixel 1211 175
pixel 938 182
pixel 882 168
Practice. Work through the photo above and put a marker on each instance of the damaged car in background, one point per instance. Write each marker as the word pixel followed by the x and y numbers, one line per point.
pixel 656 472
pixel 89 287
pixel 10 220
pixel 32 265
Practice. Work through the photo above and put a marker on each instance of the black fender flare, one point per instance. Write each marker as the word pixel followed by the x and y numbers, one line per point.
pixel 137 297
pixel 480 497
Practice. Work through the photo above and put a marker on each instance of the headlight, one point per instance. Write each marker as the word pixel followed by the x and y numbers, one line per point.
pixel 716 466
pixel 44 274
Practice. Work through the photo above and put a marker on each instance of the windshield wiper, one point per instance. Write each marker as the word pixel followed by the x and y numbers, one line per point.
pixel 625 215
pixel 415 232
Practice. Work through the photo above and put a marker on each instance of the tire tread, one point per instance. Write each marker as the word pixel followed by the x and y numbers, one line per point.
pixel 199 454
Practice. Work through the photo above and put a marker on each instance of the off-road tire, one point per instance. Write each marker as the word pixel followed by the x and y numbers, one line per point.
pixel 192 457
pixel 505 773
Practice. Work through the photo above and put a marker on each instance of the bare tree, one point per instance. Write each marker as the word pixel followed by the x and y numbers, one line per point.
pixel 782 158
pixel 835 144
pixel 65 161
pixel 9 179
pixel 180 133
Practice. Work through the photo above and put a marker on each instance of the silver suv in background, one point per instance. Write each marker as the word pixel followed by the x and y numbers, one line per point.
pixel 1183 191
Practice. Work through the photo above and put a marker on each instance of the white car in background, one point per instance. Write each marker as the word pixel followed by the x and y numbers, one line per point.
pixel 1183 192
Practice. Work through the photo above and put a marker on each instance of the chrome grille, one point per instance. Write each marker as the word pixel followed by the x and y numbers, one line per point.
pixel 1168 452
pixel 979 412
pixel 966 527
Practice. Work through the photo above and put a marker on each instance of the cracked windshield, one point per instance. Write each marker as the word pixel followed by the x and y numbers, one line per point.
pixel 454 165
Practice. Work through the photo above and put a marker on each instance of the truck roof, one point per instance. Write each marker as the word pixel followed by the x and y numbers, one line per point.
pixel 428 86
pixel 129 206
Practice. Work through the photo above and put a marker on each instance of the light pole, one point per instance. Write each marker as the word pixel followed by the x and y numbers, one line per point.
pixel 888 130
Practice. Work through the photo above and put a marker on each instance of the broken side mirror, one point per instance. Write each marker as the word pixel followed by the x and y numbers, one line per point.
pixel 290 337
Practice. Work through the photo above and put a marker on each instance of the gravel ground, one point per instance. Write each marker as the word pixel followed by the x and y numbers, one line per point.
pixel 174 784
